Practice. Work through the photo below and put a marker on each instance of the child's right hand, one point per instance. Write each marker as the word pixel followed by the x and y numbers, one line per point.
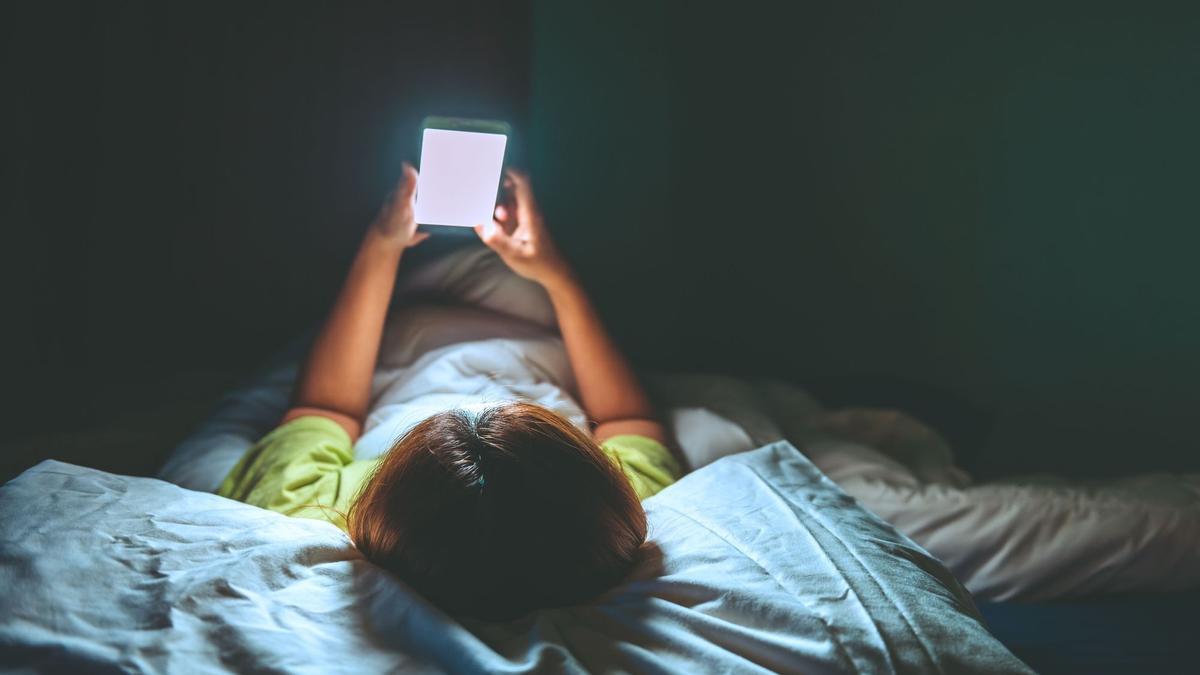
pixel 518 234
pixel 396 221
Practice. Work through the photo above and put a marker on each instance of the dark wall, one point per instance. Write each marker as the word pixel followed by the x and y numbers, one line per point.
pixel 982 211
pixel 983 214
pixel 184 183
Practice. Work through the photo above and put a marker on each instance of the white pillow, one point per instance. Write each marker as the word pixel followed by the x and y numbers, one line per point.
pixel 756 562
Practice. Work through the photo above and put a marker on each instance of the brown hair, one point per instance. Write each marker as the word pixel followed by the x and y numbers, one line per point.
pixel 496 514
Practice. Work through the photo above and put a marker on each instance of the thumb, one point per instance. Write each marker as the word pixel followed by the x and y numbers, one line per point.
pixel 408 182
pixel 494 236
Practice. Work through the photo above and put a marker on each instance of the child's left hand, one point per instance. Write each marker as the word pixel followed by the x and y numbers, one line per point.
pixel 397 220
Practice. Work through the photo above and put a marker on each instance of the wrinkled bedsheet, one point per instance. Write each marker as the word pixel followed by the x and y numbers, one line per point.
pixel 1031 539
pixel 756 563
pixel 492 336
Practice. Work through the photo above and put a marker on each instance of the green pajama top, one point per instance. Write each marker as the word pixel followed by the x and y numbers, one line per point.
pixel 306 468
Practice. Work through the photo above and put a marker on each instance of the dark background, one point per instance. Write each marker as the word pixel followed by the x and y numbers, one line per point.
pixel 984 214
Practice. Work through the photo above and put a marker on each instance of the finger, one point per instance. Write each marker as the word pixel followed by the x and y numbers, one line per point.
pixel 506 216
pixel 387 203
pixel 493 235
pixel 417 238
pixel 519 181
pixel 407 186
pixel 487 234
pixel 523 191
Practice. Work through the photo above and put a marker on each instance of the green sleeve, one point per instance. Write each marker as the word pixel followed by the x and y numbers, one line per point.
pixel 303 468
pixel 647 463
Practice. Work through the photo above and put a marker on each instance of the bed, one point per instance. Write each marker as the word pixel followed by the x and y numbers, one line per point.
pixel 756 563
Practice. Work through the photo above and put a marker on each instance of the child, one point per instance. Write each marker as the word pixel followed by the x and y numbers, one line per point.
pixel 488 511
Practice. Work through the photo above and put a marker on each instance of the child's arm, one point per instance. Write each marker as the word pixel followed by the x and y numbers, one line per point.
pixel 336 379
pixel 610 392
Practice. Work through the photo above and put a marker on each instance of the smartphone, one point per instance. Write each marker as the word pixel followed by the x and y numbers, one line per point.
pixel 460 166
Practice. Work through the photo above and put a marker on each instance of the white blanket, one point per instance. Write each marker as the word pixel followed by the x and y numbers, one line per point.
pixel 754 564
pixel 1029 539
pixel 496 341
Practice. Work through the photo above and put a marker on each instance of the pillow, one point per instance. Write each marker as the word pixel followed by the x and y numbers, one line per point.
pixel 755 563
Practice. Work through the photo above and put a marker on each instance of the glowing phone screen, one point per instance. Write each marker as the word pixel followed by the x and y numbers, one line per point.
pixel 459 175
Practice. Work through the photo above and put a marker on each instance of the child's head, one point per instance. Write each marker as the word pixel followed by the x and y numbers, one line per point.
pixel 496 513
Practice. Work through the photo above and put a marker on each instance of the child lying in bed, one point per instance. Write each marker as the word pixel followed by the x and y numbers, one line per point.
pixel 490 509
pixel 496 340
